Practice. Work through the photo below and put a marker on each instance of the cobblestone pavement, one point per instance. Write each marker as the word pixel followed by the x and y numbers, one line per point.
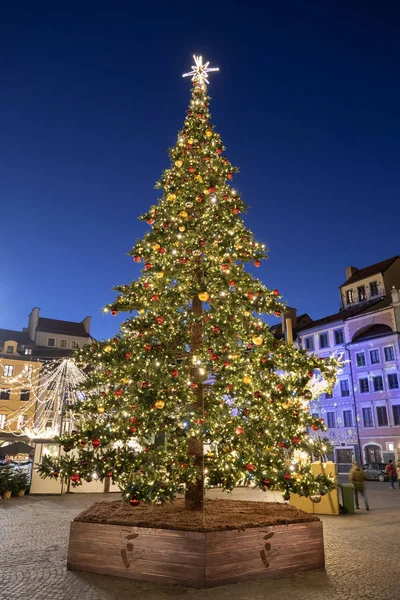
pixel 362 553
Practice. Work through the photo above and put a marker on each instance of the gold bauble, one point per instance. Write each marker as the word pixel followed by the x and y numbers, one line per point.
pixel 246 379
pixel 155 246
pixel 141 311
pixel 160 274
pixel 124 380
pixel 160 404
pixel 198 178
pixel 178 163
pixel 171 197
pixel 181 228
pixel 100 409
pixel 208 133
pixel 257 340
pixel 207 192
pixel 107 348
pixel 183 214
pixel 190 141
pixel 204 296
pixel 246 313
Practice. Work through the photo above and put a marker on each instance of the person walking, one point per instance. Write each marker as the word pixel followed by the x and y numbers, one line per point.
pixel 391 471
pixel 357 478
pixel 398 468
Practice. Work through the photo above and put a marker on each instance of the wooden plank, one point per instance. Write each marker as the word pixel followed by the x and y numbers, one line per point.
pixel 104 528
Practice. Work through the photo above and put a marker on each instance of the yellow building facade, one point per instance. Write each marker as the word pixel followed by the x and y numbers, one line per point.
pixel 19 380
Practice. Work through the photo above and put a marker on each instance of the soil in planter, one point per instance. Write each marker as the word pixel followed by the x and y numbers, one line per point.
pixel 219 515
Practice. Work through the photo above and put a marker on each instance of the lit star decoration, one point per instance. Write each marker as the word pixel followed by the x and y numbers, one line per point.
pixel 199 71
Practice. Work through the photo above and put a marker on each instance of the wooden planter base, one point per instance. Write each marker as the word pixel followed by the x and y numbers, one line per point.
pixel 195 559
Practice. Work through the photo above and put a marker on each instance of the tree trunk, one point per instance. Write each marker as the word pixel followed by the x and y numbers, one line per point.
pixel 194 497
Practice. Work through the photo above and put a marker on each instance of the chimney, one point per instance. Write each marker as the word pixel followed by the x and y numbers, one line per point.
pixel 33 323
pixel 350 271
pixel 290 313
pixel 86 324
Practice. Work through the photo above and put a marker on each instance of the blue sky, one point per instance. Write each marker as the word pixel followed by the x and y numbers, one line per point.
pixel 91 97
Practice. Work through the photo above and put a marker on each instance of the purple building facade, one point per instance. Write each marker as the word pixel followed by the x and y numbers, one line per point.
pixel 363 412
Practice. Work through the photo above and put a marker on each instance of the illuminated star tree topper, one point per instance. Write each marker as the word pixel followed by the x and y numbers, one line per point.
pixel 199 71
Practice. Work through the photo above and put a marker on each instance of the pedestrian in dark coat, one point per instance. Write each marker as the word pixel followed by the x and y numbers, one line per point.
pixel 357 478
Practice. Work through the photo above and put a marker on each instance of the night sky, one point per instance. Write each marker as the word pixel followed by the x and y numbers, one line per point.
pixel 91 96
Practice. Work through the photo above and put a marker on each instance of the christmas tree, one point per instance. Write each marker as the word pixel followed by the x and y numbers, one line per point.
pixel 195 390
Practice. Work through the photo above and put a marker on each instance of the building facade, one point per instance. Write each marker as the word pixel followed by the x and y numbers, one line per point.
pixel 24 359
pixel 363 411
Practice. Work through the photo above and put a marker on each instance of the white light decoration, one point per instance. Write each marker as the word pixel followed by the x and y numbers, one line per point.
pixel 199 71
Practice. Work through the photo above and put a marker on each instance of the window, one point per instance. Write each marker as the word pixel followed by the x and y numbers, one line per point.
pixel 323 340
pixel 378 383
pixel 374 357
pixel 345 456
pixel 389 353
pixel 328 395
pixel 28 372
pixel 344 388
pixel 315 415
pixel 381 413
pixel 364 385
pixel 373 288
pixel 28 351
pixel 51 342
pixel 63 343
pixel 10 349
pixel 3 421
pixel 361 293
pixel 367 417
pixel 349 297
pixel 373 454
pixel 5 394
pixel 348 418
pixel 396 414
pixel 339 337
pixel 8 370
pixel 25 395
pixel 75 344
pixel 308 343
pixel 330 419
pixel 393 381
pixel 360 358
pixel 21 421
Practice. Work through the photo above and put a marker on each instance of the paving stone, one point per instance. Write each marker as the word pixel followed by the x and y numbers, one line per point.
pixel 361 557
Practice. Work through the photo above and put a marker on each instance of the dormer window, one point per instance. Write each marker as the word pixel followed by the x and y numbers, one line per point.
pixel 349 297
pixel 10 349
pixel 373 288
pixel 27 351
pixel 361 293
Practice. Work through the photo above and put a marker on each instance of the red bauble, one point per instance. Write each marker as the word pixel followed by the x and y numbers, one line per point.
pixel 159 320
pixel 109 473
pixel 114 312
pixel 257 263
pixel 214 357
pixel 219 150
pixel 235 210
pixel 96 443
pixel 150 221
pixel 276 292
pixel 175 373
pixel 267 482
pixel 281 444
pixel 224 267
pixel 146 285
pixel 280 386
pixel 250 467
pixel 75 478
pixel 199 199
pixel 314 427
pixel 257 394
pixel 155 297
pixel 132 429
pixel 137 259
pixel 295 440
pixel 191 170
pixel 211 190
pixel 193 385
pixel 144 385
pixel 230 387
pixel 232 283
pixel 118 392
pixel 132 419
pixel 226 363
pixel 128 355
pixel 230 175
pixel 147 347
pixel 134 501
pixel 277 313
pixel 287 476
pixel 216 329
pixel 147 266
pixel 202 243
pixel 161 250
pixel 250 295
pixel 239 430
pixel 310 374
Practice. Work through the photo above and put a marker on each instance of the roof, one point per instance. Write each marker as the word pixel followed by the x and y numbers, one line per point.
pixel 347 313
pixel 379 267
pixel 16 448
pixel 21 337
pixel 62 327
pixel 51 352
